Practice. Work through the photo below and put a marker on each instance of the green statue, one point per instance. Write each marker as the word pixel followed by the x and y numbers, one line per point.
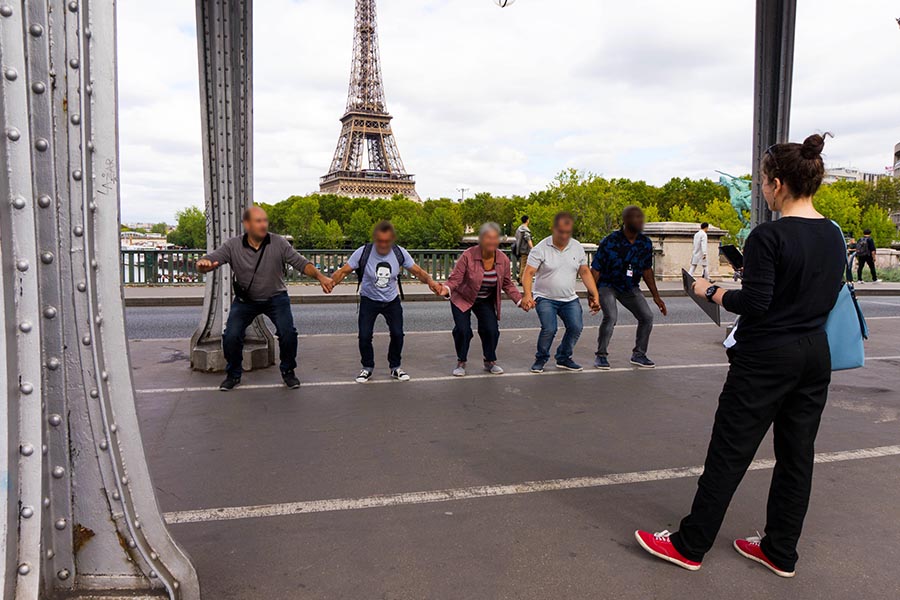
pixel 739 190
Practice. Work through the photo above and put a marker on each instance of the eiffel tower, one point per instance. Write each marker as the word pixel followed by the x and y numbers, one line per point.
pixel 366 135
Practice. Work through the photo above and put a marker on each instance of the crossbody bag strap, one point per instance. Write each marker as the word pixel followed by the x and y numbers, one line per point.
pixel 863 327
pixel 256 268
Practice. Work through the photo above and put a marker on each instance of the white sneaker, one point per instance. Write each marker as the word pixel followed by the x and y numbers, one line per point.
pixel 493 368
pixel 364 376
pixel 459 371
pixel 399 374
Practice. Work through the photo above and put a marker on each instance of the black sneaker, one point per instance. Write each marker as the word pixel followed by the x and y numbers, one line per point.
pixel 229 384
pixel 290 380
pixel 364 376
pixel 399 374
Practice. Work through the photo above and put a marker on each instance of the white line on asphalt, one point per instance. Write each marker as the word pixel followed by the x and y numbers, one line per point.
pixel 316 384
pixel 484 491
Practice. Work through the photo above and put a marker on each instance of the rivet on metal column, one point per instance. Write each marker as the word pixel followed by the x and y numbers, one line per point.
pixel 775 26
pixel 224 38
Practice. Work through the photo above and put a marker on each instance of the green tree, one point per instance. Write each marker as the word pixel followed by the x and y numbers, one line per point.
pixel 325 235
pixel 190 232
pixel 161 228
pixel 883 229
pixel 684 214
pixel 359 228
pixel 720 213
pixel 839 203
pixel 299 218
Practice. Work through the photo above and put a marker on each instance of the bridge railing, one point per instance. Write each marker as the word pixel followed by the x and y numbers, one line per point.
pixel 174 267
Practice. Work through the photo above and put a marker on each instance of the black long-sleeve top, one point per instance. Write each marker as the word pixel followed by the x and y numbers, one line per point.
pixel 793 269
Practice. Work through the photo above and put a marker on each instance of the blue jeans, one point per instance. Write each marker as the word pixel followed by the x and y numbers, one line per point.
pixel 278 309
pixel 393 315
pixel 571 315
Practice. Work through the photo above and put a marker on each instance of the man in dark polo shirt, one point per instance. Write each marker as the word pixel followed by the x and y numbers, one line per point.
pixel 257 261
pixel 623 258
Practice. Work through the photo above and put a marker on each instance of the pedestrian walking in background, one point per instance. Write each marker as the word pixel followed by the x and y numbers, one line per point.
pixel 554 266
pixel 257 262
pixel 623 258
pixel 522 245
pixel 865 255
pixel 780 367
pixel 700 253
pixel 481 275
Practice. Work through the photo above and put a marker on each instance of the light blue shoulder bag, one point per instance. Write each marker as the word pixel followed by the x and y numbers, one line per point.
pixel 846 328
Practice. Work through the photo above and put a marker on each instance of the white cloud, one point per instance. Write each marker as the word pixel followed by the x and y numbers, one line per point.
pixel 501 99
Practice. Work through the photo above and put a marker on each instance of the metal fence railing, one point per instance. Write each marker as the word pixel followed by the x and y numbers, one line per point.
pixel 168 267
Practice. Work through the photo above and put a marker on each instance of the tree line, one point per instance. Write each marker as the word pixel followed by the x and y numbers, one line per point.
pixel 329 221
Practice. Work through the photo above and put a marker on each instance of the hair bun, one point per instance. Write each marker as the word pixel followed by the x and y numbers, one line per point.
pixel 812 146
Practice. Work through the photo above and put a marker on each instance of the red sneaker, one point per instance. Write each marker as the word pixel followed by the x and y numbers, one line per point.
pixel 660 546
pixel 750 548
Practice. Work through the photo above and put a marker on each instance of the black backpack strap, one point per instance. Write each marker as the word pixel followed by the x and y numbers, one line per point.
pixel 400 260
pixel 363 261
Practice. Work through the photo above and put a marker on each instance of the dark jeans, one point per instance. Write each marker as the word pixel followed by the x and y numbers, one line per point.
pixel 787 387
pixel 572 317
pixel 635 302
pixel 862 261
pixel 393 315
pixel 488 329
pixel 278 309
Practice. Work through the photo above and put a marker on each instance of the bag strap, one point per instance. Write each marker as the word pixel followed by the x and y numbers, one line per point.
pixel 400 258
pixel 863 326
pixel 363 261
pixel 256 268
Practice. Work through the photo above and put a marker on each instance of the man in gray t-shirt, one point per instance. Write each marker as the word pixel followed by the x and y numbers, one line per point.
pixel 378 267
pixel 554 265
pixel 257 261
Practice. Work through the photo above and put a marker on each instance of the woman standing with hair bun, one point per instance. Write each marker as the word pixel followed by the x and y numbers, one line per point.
pixel 780 367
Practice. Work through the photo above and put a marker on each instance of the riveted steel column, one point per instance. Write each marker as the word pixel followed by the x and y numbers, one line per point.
pixel 775 25
pixel 80 513
pixel 22 474
pixel 224 29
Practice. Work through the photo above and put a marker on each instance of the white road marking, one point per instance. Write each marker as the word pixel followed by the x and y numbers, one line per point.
pixel 548 373
pixel 485 491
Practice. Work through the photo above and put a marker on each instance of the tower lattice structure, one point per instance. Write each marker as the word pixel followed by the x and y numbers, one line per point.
pixel 367 161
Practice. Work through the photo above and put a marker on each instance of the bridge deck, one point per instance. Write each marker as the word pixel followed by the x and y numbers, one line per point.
pixel 311 493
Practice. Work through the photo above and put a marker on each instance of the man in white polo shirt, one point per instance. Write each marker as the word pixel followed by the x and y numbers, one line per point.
pixel 554 265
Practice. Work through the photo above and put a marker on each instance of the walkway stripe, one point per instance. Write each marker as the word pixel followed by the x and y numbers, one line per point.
pixel 485 491
pixel 587 371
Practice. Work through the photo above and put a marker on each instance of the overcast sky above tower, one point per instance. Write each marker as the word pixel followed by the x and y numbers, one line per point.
pixel 500 100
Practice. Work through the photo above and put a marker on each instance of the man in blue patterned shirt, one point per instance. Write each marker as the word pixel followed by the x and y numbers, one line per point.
pixel 623 258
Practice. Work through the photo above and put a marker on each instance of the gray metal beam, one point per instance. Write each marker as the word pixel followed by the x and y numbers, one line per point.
pixel 80 512
pixel 224 39
pixel 775 26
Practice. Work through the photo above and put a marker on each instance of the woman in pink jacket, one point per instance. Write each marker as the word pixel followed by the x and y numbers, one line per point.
pixel 480 276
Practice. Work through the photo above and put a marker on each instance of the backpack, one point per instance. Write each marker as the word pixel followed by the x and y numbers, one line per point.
pixel 862 247
pixel 364 259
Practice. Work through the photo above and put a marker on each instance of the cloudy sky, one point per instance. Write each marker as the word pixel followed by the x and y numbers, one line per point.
pixel 500 100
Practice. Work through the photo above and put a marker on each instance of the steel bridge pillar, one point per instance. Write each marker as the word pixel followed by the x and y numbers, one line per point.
pixel 224 39
pixel 79 512
pixel 775 25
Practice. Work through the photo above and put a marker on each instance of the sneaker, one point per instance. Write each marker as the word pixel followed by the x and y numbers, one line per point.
pixel 537 367
pixel 229 384
pixel 290 380
pixel 876 280
pixel 860 281
pixel 750 548
pixel 568 365
pixel 660 546
pixel 493 368
pixel 460 370
pixel 399 374
pixel 602 363
pixel 364 376
pixel 642 362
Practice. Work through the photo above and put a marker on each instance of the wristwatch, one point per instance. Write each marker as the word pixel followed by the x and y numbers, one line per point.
pixel 710 292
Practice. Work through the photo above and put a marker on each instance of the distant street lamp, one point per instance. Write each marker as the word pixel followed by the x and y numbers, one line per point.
pixel 504 3
pixel 462 191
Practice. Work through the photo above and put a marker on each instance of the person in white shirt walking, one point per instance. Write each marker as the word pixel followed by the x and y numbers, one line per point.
pixel 700 255
pixel 554 264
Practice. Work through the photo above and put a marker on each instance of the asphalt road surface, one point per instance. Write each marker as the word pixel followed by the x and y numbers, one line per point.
pixel 180 322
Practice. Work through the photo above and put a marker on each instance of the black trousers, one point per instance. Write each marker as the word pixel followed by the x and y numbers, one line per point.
pixel 278 309
pixel 488 329
pixel 393 315
pixel 862 261
pixel 787 387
